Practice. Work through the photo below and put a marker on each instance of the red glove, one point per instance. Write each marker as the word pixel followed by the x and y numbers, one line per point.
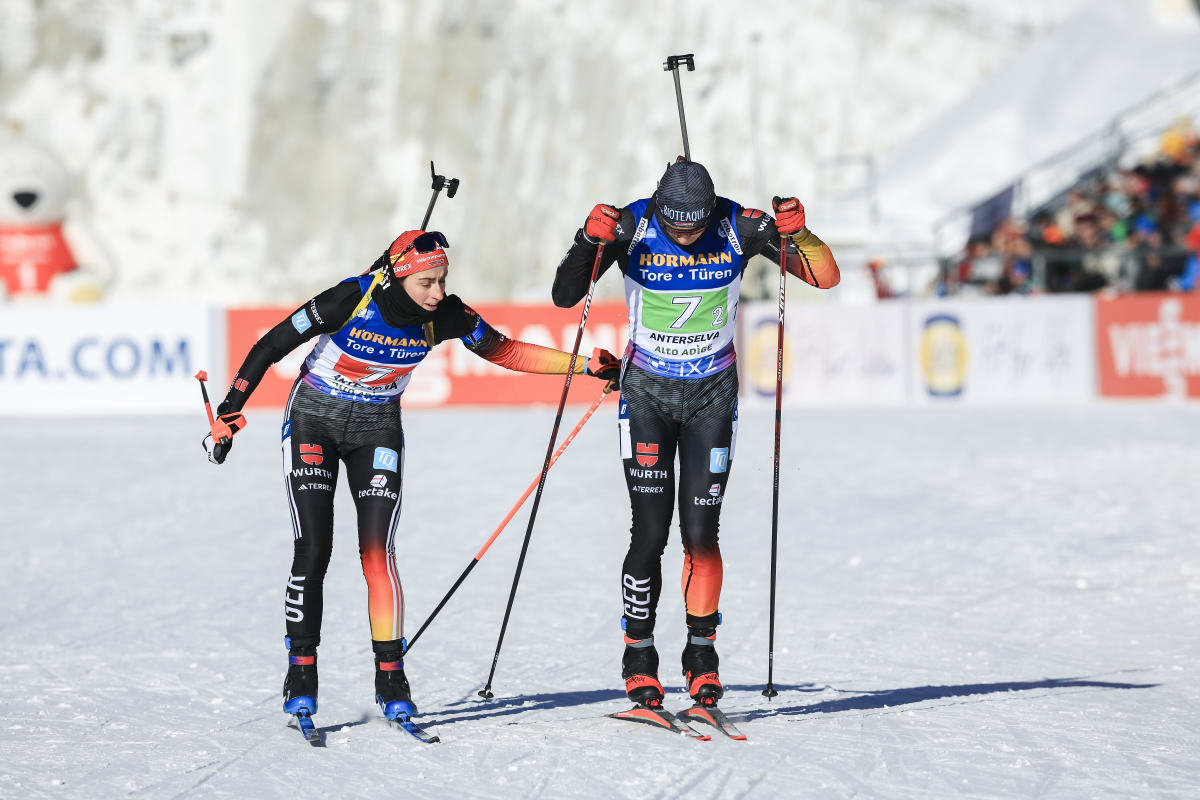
pixel 604 365
pixel 789 215
pixel 223 428
pixel 601 224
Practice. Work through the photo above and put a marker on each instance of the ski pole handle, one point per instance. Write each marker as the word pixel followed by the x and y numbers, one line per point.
pixel 439 183
pixel 202 376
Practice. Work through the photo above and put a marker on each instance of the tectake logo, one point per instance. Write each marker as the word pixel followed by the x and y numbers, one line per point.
pixel 379 481
pixel 718 459
pixel 311 454
pixel 714 490
pixel 386 458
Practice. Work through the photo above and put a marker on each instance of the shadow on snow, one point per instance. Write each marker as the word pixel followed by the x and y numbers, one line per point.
pixel 857 700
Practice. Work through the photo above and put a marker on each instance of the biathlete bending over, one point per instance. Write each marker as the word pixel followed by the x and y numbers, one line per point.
pixel 682 252
pixel 345 406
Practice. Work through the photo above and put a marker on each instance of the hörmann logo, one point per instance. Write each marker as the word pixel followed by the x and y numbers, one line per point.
pixel 686 260
pixel 390 341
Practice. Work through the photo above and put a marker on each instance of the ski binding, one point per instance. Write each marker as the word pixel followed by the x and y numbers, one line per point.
pixel 660 718
pixel 398 714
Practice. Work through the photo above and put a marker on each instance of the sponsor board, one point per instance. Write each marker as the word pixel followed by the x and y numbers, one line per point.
pixel 1148 345
pixel 1002 350
pixel 451 374
pixel 104 359
pixel 831 354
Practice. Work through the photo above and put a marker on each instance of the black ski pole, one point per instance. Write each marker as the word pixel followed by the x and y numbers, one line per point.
pixel 672 65
pixel 439 183
pixel 486 691
pixel 770 690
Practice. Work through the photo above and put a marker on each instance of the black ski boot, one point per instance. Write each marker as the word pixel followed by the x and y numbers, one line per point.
pixel 700 666
pixel 300 685
pixel 639 668
pixel 391 686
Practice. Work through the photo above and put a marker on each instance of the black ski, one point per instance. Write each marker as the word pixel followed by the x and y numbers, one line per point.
pixel 304 724
pixel 711 715
pixel 661 718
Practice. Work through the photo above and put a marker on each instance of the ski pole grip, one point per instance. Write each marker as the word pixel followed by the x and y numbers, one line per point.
pixel 674 62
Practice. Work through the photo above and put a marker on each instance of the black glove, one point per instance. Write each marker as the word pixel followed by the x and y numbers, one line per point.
pixel 221 435
pixel 605 366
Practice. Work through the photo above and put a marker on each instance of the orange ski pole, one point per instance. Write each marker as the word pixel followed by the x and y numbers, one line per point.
pixel 511 513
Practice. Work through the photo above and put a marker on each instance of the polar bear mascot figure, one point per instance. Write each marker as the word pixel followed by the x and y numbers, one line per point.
pixel 37 259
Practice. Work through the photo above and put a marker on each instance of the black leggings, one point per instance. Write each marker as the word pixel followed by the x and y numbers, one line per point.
pixel 660 417
pixel 319 431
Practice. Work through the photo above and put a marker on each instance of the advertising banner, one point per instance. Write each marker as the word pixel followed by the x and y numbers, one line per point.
pixel 832 354
pixel 451 374
pixel 1003 350
pixel 1148 345
pixel 104 359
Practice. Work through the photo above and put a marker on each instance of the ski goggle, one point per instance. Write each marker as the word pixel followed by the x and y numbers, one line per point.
pixel 425 243
pixel 698 226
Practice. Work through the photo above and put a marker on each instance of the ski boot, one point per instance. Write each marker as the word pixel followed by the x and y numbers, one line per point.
pixel 391 687
pixel 700 665
pixel 639 668
pixel 300 685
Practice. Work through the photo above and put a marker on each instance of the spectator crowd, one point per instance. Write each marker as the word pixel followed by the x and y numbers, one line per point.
pixel 1118 229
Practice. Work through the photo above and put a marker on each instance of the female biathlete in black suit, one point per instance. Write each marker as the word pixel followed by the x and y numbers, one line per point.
pixel 345 406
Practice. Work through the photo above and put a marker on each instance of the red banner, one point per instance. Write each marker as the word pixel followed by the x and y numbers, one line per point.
pixel 1148 345
pixel 451 374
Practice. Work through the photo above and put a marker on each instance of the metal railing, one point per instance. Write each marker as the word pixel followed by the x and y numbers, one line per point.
pixel 1048 178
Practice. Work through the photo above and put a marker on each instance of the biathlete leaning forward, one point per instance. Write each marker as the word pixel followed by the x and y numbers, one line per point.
pixel 682 253
pixel 345 406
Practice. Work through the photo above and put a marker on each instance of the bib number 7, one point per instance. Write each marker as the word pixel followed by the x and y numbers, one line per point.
pixel 692 301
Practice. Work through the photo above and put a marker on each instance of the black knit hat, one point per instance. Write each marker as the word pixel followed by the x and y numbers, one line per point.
pixel 685 198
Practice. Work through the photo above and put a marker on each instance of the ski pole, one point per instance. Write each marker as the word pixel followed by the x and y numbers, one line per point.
pixel 770 690
pixel 439 183
pixel 672 65
pixel 511 513
pixel 486 691
pixel 215 455
pixel 202 376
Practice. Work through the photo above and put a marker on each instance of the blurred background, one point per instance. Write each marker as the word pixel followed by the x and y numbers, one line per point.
pixel 235 155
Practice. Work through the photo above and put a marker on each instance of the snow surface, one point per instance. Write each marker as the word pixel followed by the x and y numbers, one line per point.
pixel 973 603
